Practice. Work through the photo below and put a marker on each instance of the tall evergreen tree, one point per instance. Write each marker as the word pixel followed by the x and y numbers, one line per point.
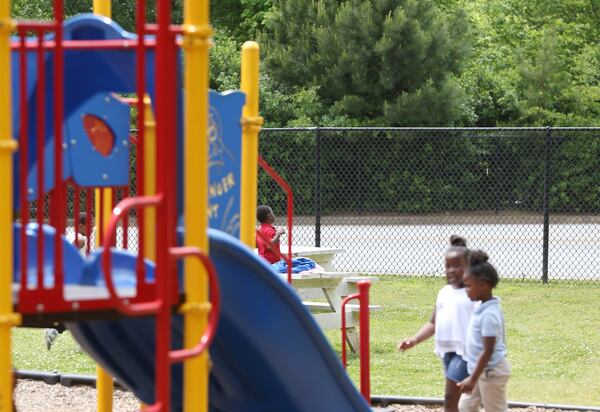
pixel 390 62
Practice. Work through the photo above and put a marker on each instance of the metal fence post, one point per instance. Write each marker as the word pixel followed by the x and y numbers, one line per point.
pixel 546 204
pixel 317 187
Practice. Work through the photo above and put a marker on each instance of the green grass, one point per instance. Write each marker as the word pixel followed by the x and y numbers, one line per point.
pixel 553 337
pixel 29 352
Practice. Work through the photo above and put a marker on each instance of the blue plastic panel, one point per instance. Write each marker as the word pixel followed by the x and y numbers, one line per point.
pixel 89 167
pixel 73 261
pixel 224 160
pixel 87 74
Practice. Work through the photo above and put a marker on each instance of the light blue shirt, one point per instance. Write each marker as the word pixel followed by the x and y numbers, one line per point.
pixel 487 321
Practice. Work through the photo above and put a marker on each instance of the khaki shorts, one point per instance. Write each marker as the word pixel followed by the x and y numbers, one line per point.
pixel 490 391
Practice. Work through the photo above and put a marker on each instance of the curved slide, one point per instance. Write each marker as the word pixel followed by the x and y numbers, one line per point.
pixel 268 354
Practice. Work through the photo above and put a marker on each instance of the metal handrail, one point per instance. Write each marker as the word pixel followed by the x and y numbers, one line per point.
pixel 365 372
pixel 215 302
pixel 135 309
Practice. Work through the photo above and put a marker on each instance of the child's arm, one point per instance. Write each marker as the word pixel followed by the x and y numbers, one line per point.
pixel 278 232
pixel 468 383
pixel 426 331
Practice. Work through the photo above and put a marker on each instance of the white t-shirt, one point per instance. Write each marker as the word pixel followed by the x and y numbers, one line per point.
pixel 453 309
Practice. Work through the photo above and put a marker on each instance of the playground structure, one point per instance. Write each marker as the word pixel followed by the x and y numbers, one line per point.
pixel 66 100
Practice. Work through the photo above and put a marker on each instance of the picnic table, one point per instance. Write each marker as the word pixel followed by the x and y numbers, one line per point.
pixel 334 286
pixel 323 256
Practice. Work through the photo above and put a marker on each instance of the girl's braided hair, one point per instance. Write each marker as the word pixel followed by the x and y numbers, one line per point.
pixel 481 269
pixel 456 240
pixel 458 245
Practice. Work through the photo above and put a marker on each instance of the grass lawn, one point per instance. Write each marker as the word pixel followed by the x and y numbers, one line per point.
pixel 553 338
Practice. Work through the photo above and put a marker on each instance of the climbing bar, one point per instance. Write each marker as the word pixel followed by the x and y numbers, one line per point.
pixel 122 304
pixel 86 44
pixel 363 298
pixel 35 25
pixel 215 302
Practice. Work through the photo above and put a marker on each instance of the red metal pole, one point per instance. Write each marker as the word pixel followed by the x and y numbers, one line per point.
pixel 39 26
pixel 166 106
pixel 125 194
pixel 364 351
pixel 100 224
pixel 88 220
pixel 76 212
pixel 58 195
pixel 41 121
pixel 23 157
pixel 344 333
pixel 365 367
pixel 140 74
pixel 90 44
pixel 113 198
pixel 290 206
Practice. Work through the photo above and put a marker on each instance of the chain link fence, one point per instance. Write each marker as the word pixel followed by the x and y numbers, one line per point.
pixel 391 197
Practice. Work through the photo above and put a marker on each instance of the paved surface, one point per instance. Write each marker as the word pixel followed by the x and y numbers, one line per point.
pixel 515 250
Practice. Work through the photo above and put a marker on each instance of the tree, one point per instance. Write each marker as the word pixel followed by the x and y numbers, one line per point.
pixel 389 62
pixel 534 62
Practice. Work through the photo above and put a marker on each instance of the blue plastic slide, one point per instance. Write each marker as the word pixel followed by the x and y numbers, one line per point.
pixel 268 355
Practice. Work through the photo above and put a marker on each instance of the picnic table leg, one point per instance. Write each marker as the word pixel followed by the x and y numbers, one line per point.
pixel 335 301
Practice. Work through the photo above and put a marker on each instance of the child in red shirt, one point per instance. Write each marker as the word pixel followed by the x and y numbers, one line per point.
pixel 267 235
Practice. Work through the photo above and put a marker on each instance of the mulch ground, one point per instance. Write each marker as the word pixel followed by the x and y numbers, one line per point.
pixel 37 396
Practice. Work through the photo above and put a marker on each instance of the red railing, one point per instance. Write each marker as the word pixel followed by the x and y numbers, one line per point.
pixel 133 309
pixel 40 299
pixel 215 302
pixel 365 372
pixel 290 208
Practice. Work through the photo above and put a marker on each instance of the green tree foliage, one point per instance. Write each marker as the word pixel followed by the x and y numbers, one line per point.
pixel 533 62
pixel 123 11
pixel 379 62
pixel 240 19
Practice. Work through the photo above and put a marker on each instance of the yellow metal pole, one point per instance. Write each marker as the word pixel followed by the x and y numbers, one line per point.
pixel 149 179
pixel 104 382
pixel 8 318
pixel 196 42
pixel 251 123
pixel 103 7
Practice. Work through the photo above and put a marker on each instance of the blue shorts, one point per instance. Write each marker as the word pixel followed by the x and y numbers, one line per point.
pixel 455 367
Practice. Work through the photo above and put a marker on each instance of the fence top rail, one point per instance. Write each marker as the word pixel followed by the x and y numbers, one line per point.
pixel 392 129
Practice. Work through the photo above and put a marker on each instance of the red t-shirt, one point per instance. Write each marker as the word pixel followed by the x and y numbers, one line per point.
pixel 262 242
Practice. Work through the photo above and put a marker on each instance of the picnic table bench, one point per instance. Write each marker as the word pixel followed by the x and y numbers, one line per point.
pixel 329 288
pixel 334 287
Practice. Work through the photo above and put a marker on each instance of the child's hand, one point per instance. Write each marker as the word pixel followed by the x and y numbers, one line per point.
pixel 466 385
pixel 80 241
pixel 280 231
pixel 406 344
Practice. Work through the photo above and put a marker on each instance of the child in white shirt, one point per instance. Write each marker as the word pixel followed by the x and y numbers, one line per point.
pixel 449 322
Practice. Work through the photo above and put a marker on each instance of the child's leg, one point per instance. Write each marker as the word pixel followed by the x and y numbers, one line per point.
pixel 456 371
pixel 470 402
pixel 452 396
pixel 493 387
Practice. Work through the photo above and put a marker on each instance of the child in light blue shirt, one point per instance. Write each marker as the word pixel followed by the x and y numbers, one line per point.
pixel 485 350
